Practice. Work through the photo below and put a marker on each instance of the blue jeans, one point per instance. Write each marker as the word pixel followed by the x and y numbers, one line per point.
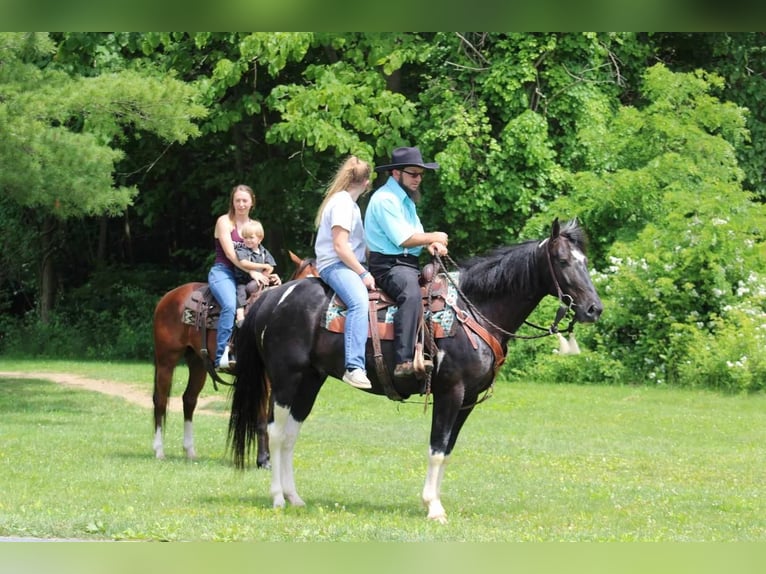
pixel 224 288
pixel 350 288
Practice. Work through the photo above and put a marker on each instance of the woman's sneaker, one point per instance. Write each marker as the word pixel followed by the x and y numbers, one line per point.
pixel 357 379
pixel 228 362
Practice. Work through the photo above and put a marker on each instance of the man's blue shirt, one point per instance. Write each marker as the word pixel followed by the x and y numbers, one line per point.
pixel 391 218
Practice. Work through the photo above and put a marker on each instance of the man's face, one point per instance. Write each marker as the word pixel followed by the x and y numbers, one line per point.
pixel 410 178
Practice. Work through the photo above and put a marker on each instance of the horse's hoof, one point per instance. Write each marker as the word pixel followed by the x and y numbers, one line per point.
pixel 436 512
pixel 295 500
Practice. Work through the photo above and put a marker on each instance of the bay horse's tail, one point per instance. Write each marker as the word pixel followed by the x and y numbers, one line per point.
pixel 249 407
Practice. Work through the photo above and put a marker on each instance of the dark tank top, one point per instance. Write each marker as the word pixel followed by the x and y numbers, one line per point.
pixel 220 256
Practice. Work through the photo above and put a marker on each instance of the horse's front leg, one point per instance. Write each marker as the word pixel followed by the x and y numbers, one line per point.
pixel 446 422
pixel 437 461
pixel 283 434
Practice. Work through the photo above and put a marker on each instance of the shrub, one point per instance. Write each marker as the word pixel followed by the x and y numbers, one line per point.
pixel 107 318
pixel 729 355
pixel 586 368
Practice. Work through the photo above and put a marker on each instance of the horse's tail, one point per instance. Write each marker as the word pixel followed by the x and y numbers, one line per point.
pixel 249 407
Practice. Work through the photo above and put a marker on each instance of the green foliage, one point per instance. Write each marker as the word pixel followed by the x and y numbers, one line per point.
pixel 586 368
pixel 337 108
pixel 540 358
pixel 727 354
pixel 108 318
pixel 59 133
pixel 106 133
pixel 682 241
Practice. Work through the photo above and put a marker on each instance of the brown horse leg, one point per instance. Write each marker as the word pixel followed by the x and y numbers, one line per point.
pixel 197 375
pixel 163 379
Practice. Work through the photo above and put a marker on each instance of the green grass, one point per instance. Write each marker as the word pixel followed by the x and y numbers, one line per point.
pixel 534 463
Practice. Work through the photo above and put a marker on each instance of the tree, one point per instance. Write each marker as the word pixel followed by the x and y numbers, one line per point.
pixel 683 243
pixel 60 137
pixel 526 127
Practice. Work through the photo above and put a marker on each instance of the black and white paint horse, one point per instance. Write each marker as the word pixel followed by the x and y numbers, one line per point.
pixel 285 353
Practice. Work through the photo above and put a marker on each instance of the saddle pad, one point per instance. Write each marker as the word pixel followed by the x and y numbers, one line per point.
pixel 441 314
pixel 201 303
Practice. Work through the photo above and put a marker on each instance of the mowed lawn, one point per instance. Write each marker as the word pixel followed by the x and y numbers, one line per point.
pixel 533 463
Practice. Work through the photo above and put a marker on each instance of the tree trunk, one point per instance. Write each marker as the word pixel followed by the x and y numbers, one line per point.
pixel 101 249
pixel 47 268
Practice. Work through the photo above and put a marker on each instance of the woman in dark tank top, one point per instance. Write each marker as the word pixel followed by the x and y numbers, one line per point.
pixel 221 275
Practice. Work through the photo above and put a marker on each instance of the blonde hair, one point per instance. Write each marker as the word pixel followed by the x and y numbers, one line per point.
pixel 252 227
pixel 235 189
pixel 353 171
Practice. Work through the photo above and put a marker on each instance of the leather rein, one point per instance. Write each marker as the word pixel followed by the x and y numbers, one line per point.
pixel 566 302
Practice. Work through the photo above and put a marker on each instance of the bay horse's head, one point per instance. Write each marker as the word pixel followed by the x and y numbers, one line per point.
pixel 303 267
pixel 569 268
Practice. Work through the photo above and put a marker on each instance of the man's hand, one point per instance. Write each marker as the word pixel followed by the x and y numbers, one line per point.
pixel 437 248
pixel 439 237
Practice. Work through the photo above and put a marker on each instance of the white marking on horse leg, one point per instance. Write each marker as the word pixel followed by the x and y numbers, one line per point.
pixel 191 453
pixel 283 434
pixel 159 449
pixel 292 429
pixel 432 487
pixel 276 439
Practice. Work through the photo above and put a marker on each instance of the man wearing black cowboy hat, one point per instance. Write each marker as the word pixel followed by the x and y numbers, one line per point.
pixel 395 238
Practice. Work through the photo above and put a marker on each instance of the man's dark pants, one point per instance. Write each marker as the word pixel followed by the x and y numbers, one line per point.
pixel 399 276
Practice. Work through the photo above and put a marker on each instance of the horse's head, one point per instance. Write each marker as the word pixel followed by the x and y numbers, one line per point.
pixel 569 266
pixel 303 267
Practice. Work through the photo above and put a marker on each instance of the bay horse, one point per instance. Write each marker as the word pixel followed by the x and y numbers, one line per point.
pixel 174 339
pixel 285 353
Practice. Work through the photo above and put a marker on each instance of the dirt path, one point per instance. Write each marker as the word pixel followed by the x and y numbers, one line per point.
pixel 125 391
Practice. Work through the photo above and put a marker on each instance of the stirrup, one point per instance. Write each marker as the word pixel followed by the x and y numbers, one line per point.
pixel 418 361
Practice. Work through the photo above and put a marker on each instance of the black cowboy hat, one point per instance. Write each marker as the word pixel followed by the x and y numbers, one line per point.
pixel 406 156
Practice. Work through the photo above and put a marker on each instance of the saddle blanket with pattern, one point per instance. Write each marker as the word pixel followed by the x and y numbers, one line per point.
pixel 201 306
pixel 440 312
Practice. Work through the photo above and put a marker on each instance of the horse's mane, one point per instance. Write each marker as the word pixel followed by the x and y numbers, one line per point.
pixel 511 268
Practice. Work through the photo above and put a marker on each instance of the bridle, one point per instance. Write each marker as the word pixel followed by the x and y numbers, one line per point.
pixel 564 307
